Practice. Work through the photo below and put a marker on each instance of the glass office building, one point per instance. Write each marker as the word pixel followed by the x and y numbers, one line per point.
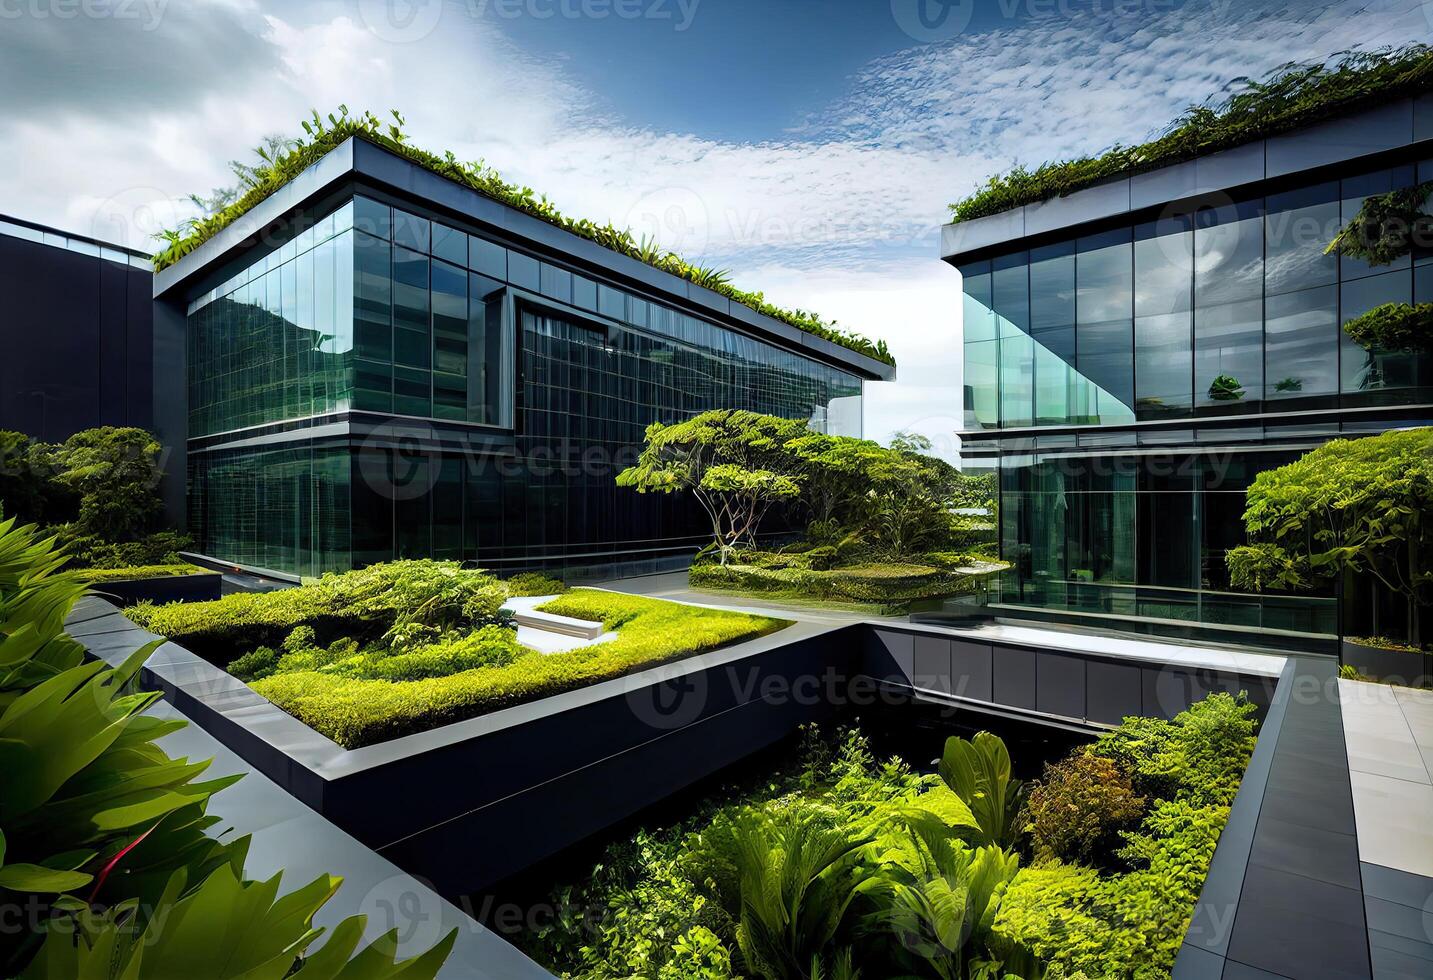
pixel 1130 371
pixel 389 383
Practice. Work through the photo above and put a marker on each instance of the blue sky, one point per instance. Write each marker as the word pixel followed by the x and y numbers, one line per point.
pixel 811 148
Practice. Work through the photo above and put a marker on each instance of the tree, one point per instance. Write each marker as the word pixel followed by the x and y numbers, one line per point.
pixel 735 464
pixel 835 470
pixel 1357 505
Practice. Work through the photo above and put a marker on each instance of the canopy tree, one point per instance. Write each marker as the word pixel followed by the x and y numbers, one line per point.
pixel 734 462
pixel 1360 505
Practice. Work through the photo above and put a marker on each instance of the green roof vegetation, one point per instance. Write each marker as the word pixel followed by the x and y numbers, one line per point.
pixel 281 160
pixel 1292 96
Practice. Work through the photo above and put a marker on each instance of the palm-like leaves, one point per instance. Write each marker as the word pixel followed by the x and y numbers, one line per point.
pixel 89 804
pixel 978 772
pixel 799 871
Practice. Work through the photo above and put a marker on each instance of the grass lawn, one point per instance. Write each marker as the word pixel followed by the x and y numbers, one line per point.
pixel 351 699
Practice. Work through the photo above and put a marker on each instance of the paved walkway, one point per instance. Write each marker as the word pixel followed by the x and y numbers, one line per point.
pixel 1389 733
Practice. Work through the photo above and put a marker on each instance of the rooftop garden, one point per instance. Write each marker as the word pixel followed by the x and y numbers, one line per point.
pixel 280 161
pixel 1291 97
pixel 842 863
pixel 883 526
pixel 407 646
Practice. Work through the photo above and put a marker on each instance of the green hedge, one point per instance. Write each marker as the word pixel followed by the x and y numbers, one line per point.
pixel 359 711
pixel 276 170
pixel 1290 98
pixel 873 583
pixel 135 573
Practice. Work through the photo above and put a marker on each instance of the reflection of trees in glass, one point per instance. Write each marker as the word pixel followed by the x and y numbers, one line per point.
pixel 1226 388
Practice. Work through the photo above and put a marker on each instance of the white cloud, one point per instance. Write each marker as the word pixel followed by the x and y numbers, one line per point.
pixel 109 126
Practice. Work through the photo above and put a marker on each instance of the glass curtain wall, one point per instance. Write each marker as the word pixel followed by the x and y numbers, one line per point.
pixel 275 341
pixel 1231 310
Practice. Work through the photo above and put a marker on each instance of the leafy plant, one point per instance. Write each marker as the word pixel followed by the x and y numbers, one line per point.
pixel 1350 505
pixel 1289 384
pixel 1226 388
pixel 1289 98
pixel 799 873
pixel 280 161
pixel 109 839
pixel 1076 813
pixel 533 584
pixel 1387 226
pixel 942 909
pixel 1393 327
pixel 978 771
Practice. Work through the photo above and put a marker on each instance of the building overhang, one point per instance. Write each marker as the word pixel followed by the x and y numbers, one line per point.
pixel 1364 138
pixel 356 164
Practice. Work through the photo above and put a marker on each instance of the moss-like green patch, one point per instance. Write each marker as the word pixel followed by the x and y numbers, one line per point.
pixel 135 573
pixel 360 708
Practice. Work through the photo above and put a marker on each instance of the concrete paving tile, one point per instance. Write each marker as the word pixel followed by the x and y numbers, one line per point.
pixel 1385 755
pixel 1395 822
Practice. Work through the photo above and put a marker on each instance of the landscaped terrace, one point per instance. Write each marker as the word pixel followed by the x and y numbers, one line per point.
pixel 407 646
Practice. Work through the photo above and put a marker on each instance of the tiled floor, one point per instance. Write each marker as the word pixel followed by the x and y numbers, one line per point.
pixel 1389 734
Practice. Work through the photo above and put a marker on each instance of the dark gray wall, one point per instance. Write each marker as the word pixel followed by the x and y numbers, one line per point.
pixel 77 339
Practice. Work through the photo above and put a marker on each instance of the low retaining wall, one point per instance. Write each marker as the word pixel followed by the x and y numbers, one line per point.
pixel 1389 666
pixel 527 781
pixel 1086 689
pixel 166 588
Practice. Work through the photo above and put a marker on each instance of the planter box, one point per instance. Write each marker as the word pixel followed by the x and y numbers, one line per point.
pixel 167 588
pixel 1393 666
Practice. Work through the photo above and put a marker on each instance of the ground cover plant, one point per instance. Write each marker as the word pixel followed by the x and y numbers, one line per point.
pixel 1291 97
pixel 280 160
pixel 884 525
pixel 841 862
pixel 403 647
pixel 133 573
pixel 97 492
pixel 108 844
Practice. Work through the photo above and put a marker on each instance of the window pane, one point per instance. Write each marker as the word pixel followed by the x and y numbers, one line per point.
pixel 1301 343
pixel 1229 356
pixel 1297 228
pixel 371 217
pixel 410 231
pixel 450 244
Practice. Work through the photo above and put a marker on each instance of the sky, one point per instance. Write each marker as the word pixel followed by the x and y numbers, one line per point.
pixel 810 148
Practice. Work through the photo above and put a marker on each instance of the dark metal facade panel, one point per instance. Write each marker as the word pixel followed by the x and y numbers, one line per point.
pixel 75 339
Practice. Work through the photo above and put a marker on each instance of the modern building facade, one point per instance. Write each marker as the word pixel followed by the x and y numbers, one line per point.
pixel 77 333
pixel 377 362
pixel 1136 352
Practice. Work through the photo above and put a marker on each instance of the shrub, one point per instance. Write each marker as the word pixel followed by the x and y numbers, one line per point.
pixel 404 602
pixel 534 583
pixel 1386 227
pixel 1393 327
pixel 1076 813
pixel 1200 756
pixel 355 711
